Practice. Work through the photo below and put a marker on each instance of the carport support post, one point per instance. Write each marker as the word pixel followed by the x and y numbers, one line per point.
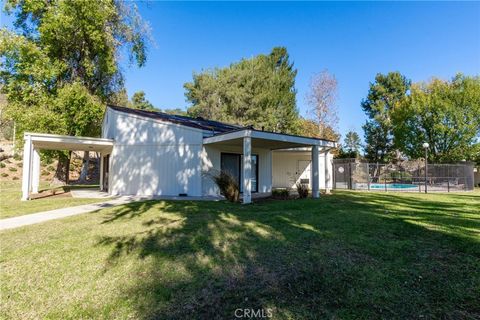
pixel 328 172
pixel 35 170
pixel 27 167
pixel 101 171
pixel 247 169
pixel 315 175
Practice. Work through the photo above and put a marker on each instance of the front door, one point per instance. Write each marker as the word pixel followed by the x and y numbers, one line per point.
pixel 233 164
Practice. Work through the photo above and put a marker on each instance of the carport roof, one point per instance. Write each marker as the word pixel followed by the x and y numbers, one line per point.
pixel 61 142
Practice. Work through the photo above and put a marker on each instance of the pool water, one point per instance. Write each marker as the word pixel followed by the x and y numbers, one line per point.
pixel 393 186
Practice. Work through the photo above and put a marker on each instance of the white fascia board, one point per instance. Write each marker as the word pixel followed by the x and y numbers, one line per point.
pixel 268 136
pixel 303 149
pixel 59 139
pixel 227 136
pixel 289 138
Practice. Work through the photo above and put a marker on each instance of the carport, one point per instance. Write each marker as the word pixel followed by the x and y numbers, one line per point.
pixel 38 141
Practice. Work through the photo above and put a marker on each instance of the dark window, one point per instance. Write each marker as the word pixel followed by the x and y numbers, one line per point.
pixel 233 163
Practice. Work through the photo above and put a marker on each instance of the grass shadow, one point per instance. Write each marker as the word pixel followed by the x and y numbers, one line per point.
pixel 350 255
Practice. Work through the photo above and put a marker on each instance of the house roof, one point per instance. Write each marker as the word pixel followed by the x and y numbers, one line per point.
pixel 217 127
pixel 199 123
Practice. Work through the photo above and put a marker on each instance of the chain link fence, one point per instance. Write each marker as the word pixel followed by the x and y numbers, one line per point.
pixel 409 176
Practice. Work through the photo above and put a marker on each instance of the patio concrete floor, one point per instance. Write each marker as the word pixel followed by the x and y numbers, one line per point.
pixel 89 193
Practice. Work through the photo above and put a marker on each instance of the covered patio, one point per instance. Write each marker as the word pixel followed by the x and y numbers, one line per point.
pixel 34 142
pixel 246 138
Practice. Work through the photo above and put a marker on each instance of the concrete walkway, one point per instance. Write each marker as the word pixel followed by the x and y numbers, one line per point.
pixel 28 219
pixel 89 193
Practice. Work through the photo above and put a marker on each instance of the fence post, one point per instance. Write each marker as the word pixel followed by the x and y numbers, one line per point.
pixel 448 185
pixel 368 176
pixel 418 173
pixel 334 173
pixel 385 177
pixel 350 176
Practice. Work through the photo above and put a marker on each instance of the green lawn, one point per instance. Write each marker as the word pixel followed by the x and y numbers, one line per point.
pixel 11 205
pixel 346 256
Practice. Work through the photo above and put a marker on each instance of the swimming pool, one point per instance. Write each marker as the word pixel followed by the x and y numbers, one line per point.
pixel 382 186
pixel 392 186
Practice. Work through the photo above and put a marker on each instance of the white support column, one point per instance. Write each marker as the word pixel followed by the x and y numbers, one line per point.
pixel 35 170
pixel 101 171
pixel 328 172
pixel 27 168
pixel 315 173
pixel 247 170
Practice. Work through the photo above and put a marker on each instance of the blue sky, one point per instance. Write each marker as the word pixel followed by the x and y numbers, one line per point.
pixel 354 41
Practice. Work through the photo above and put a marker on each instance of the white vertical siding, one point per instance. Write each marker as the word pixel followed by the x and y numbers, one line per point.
pixel 151 157
pixel 107 125
pixel 328 160
pixel 285 166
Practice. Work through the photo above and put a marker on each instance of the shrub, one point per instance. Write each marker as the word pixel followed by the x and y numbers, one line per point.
pixel 17 157
pixel 51 168
pixel 20 164
pixel 13 169
pixel 227 184
pixel 280 194
pixel 2 165
pixel 4 175
pixel 15 178
pixel 302 189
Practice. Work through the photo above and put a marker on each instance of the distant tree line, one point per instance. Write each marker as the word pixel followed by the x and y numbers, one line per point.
pixel 403 115
pixel 140 101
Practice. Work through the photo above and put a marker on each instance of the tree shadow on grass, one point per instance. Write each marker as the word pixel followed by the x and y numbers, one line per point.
pixel 342 256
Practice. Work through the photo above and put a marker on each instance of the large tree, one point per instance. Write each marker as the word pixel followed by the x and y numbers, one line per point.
pixel 139 101
pixel 60 63
pixel 446 114
pixel 352 144
pixel 384 94
pixel 322 102
pixel 309 128
pixel 259 91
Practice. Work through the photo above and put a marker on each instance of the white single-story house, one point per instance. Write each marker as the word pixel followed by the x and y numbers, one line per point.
pixel 156 154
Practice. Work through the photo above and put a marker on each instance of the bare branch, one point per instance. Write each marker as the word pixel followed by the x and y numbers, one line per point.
pixel 321 100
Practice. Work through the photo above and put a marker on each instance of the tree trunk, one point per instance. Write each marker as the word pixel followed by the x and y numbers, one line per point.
pixel 67 168
pixel 86 163
pixel 63 168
